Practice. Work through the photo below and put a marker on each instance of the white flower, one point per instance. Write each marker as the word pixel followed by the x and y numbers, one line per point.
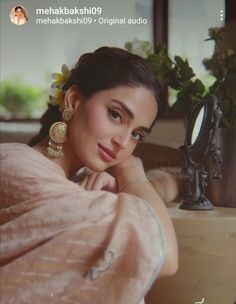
pixel 56 91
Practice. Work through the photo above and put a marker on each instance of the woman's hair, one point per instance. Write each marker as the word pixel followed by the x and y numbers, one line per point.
pixel 106 68
pixel 18 7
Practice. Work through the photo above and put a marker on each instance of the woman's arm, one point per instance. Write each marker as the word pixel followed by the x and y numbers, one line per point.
pixel 168 184
pixel 132 179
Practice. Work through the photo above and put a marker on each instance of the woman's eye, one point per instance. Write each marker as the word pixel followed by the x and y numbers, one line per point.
pixel 137 136
pixel 115 115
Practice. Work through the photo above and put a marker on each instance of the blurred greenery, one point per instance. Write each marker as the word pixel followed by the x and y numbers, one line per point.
pixel 21 100
pixel 187 90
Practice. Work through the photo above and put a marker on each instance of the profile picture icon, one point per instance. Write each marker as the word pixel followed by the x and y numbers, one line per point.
pixel 19 15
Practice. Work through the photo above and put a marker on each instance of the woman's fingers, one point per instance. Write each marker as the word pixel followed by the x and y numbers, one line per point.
pixel 88 181
pixel 99 181
pixel 106 182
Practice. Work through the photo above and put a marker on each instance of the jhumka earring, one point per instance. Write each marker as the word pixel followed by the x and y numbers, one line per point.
pixel 58 135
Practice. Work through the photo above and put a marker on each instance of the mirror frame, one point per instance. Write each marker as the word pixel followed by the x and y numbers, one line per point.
pixel 199 150
pixel 198 154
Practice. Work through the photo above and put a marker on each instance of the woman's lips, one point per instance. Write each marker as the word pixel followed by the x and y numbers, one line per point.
pixel 106 154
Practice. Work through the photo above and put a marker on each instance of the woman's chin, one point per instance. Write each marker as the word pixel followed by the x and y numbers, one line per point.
pixel 96 166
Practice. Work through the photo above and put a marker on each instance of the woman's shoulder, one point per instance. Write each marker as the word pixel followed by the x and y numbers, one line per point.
pixel 28 176
pixel 8 150
pixel 16 152
pixel 13 146
pixel 18 156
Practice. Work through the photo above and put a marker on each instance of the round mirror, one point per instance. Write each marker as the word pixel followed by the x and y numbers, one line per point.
pixel 199 131
pixel 197 125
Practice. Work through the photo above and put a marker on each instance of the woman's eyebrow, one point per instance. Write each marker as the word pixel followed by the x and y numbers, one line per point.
pixel 125 108
pixel 129 113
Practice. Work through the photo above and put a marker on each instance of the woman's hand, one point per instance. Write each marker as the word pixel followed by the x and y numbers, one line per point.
pixel 129 170
pixel 99 181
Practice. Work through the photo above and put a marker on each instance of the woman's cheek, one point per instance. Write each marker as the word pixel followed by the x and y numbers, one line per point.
pixel 98 123
pixel 125 154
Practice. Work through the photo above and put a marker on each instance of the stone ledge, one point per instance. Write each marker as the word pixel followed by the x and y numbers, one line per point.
pixel 207 261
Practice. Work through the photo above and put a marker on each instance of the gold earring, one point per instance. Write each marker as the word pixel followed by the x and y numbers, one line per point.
pixel 58 135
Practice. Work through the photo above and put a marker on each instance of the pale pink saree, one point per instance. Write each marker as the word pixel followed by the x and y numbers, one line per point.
pixel 61 244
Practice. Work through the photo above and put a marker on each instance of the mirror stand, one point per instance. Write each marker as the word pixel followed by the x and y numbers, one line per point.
pixel 196 179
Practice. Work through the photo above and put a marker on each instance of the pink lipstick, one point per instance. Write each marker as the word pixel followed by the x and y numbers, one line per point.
pixel 106 154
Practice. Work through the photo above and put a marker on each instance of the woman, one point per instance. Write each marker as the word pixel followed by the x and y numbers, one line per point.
pixel 20 16
pixel 107 238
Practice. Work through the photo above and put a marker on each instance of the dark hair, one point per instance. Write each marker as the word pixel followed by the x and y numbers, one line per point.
pixel 106 68
pixel 16 8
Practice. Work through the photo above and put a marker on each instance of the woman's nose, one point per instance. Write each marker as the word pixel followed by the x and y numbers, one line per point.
pixel 122 139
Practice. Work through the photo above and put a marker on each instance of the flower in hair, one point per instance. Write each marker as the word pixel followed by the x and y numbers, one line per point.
pixel 57 93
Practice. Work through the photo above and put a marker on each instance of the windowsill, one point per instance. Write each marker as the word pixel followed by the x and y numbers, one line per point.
pixel 18 130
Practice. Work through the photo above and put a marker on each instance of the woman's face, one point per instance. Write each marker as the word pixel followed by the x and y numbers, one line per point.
pixel 105 129
pixel 19 12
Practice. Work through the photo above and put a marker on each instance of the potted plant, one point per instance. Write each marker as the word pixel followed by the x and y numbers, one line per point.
pixel 179 76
